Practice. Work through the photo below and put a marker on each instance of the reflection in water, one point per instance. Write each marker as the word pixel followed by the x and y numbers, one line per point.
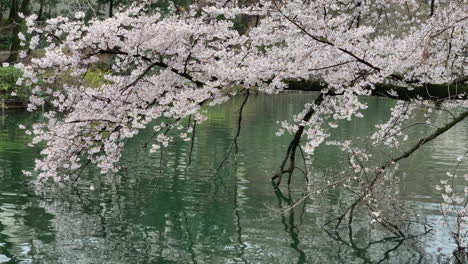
pixel 179 208
pixel 289 224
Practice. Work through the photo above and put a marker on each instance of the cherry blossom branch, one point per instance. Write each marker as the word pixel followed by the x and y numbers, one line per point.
pixel 291 152
pixel 428 139
pixel 161 64
pixel 379 173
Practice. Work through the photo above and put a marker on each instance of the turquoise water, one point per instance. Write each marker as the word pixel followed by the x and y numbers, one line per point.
pixel 161 209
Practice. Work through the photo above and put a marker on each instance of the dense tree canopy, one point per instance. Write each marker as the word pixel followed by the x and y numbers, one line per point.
pixel 167 67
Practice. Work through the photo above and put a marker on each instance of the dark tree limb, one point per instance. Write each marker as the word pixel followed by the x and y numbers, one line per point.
pixel 428 139
pixel 436 92
pixel 293 145
pixel 380 172
pixel 432 8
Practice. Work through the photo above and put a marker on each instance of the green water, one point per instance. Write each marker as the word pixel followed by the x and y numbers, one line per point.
pixel 160 209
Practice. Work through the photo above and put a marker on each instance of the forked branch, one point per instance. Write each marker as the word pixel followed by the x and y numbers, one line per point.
pixel 293 145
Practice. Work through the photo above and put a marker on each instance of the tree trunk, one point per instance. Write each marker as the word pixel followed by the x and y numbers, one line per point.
pixel 1 14
pixel 13 15
pixel 25 7
pixel 3 30
pixel 15 43
pixel 111 8
pixel 41 10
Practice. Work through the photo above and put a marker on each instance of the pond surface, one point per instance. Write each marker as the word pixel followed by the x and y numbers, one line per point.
pixel 172 208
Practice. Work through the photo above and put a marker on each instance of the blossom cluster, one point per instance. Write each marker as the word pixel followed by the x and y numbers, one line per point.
pixel 167 67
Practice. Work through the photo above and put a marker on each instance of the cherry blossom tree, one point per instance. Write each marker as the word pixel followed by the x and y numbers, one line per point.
pixel 169 66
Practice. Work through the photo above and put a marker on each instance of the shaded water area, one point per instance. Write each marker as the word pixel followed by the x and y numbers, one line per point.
pixel 161 209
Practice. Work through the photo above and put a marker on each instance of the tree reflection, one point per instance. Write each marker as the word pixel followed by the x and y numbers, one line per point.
pixel 289 223
pixel 357 241
pixel 392 243
pixel 177 208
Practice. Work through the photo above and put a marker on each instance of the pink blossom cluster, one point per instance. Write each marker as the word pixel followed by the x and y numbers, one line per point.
pixel 169 66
